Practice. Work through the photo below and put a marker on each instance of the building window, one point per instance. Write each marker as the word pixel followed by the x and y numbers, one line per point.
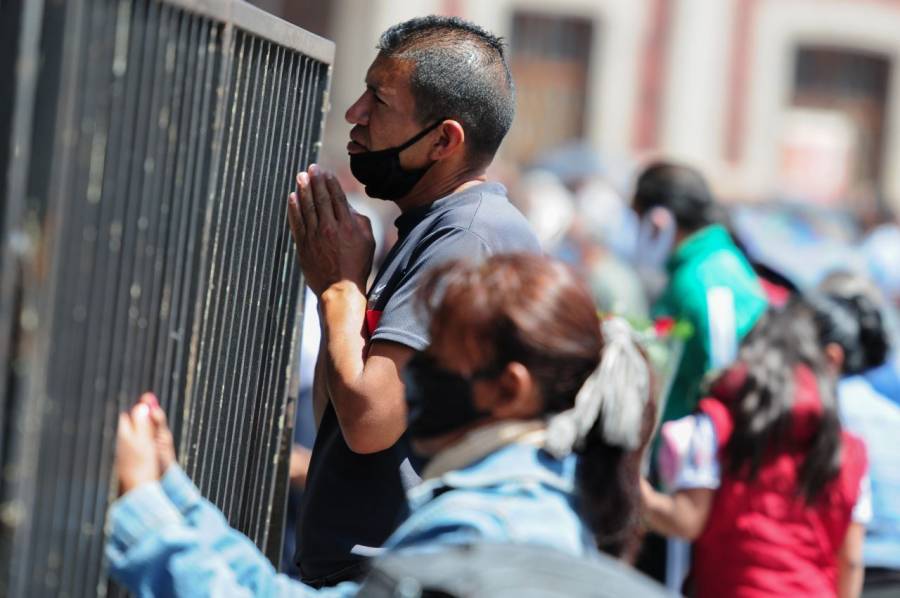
pixel 550 60
pixel 836 122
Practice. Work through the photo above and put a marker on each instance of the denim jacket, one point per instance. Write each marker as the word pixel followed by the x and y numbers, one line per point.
pixel 166 540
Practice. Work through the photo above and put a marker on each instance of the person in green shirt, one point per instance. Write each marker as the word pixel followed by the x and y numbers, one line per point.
pixel 710 285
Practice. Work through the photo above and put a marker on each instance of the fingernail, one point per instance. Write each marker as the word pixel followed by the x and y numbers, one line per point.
pixel 292 197
pixel 314 169
pixel 304 178
pixel 150 398
pixel 142 410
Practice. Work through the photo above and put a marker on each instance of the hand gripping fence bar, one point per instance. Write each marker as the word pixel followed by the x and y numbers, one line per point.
pixel 147 148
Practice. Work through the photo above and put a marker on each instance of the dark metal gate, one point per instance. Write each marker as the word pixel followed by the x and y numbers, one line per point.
pixel 147 151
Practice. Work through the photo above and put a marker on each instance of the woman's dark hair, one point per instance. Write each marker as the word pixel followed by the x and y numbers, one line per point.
pixel 773 357
pixel 849 309
pixel 535 311
pixel 680 189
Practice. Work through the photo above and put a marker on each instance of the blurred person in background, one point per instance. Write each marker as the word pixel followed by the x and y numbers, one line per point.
pixel 605 231
pixel 710 286
pixel 766 483
pixel 438 101
pixel 547 204
pixel 710 283
pixel 533 416
pixel 581 219
pixel 858 307
pixel 881 249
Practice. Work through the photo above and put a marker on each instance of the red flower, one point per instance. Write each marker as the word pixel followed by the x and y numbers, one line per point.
pixel 663 326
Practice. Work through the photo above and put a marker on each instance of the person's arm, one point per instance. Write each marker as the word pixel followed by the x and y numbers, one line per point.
pixel 689 464
pixel 361 377
pixel 850 562
pixel 165 539
pixel 335 249
pixel 156 549
pixel 364 382
pixel 682 514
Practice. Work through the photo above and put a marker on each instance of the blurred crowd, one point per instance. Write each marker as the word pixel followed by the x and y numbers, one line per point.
pixel 584 212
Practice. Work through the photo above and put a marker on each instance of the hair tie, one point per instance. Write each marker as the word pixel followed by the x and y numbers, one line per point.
pixel 618 390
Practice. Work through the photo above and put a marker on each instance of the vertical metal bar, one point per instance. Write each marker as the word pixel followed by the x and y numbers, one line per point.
pixel 277 506
pixel 271 200
pixel 217 49
pixel 247 206
pixel 157 306
pixel 94 128
pixel 237 452
pixel 227 298
pixel 293 150
pixel 286 300
pixel 212 237
pixel 53 491
pixel 180 139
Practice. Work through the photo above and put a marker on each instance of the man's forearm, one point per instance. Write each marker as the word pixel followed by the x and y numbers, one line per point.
pixel 343 313
pixel 363 382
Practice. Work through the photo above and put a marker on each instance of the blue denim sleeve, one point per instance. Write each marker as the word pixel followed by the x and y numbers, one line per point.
pixel 452 519
pixel 166 540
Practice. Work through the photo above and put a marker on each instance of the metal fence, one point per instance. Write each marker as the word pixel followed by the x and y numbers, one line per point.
pixel 148 149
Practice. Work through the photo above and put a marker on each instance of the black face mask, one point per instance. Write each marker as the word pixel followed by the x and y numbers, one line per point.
pixel 438 400
pixel 381 173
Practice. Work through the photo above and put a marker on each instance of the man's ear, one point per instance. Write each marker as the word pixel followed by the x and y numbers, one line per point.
pixel 517 394
pixel 451 138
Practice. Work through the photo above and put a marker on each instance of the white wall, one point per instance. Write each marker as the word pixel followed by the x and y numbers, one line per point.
pixel 697 83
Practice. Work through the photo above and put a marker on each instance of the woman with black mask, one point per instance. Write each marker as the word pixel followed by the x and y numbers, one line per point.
pixel 532 412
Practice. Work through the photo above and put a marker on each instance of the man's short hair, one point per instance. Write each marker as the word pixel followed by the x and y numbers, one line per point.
pixel 682 190
pixel 460 72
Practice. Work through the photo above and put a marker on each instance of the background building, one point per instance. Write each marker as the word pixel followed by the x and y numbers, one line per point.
pixel 773 99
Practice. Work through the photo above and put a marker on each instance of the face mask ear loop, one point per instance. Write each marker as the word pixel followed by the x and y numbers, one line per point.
pixel 418 136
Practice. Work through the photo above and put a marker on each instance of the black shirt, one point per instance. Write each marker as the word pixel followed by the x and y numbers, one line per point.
pixel 353 502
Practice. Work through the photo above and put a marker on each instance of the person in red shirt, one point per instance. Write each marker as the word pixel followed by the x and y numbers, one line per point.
pixel 771 490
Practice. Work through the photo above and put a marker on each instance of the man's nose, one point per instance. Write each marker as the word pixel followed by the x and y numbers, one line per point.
pixel 358 112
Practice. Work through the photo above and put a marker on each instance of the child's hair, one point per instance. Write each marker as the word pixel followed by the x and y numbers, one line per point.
pixel 537 312
pixel 784 341
pixel 850 316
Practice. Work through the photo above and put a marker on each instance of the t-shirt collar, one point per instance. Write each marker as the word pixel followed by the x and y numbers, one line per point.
pixel 409 219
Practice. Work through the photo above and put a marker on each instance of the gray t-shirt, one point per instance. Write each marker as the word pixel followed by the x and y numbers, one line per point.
pixel 353 502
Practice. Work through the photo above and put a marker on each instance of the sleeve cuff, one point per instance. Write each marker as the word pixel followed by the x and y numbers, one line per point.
pixel 180 489
pixel 139 513
pixel 413 341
